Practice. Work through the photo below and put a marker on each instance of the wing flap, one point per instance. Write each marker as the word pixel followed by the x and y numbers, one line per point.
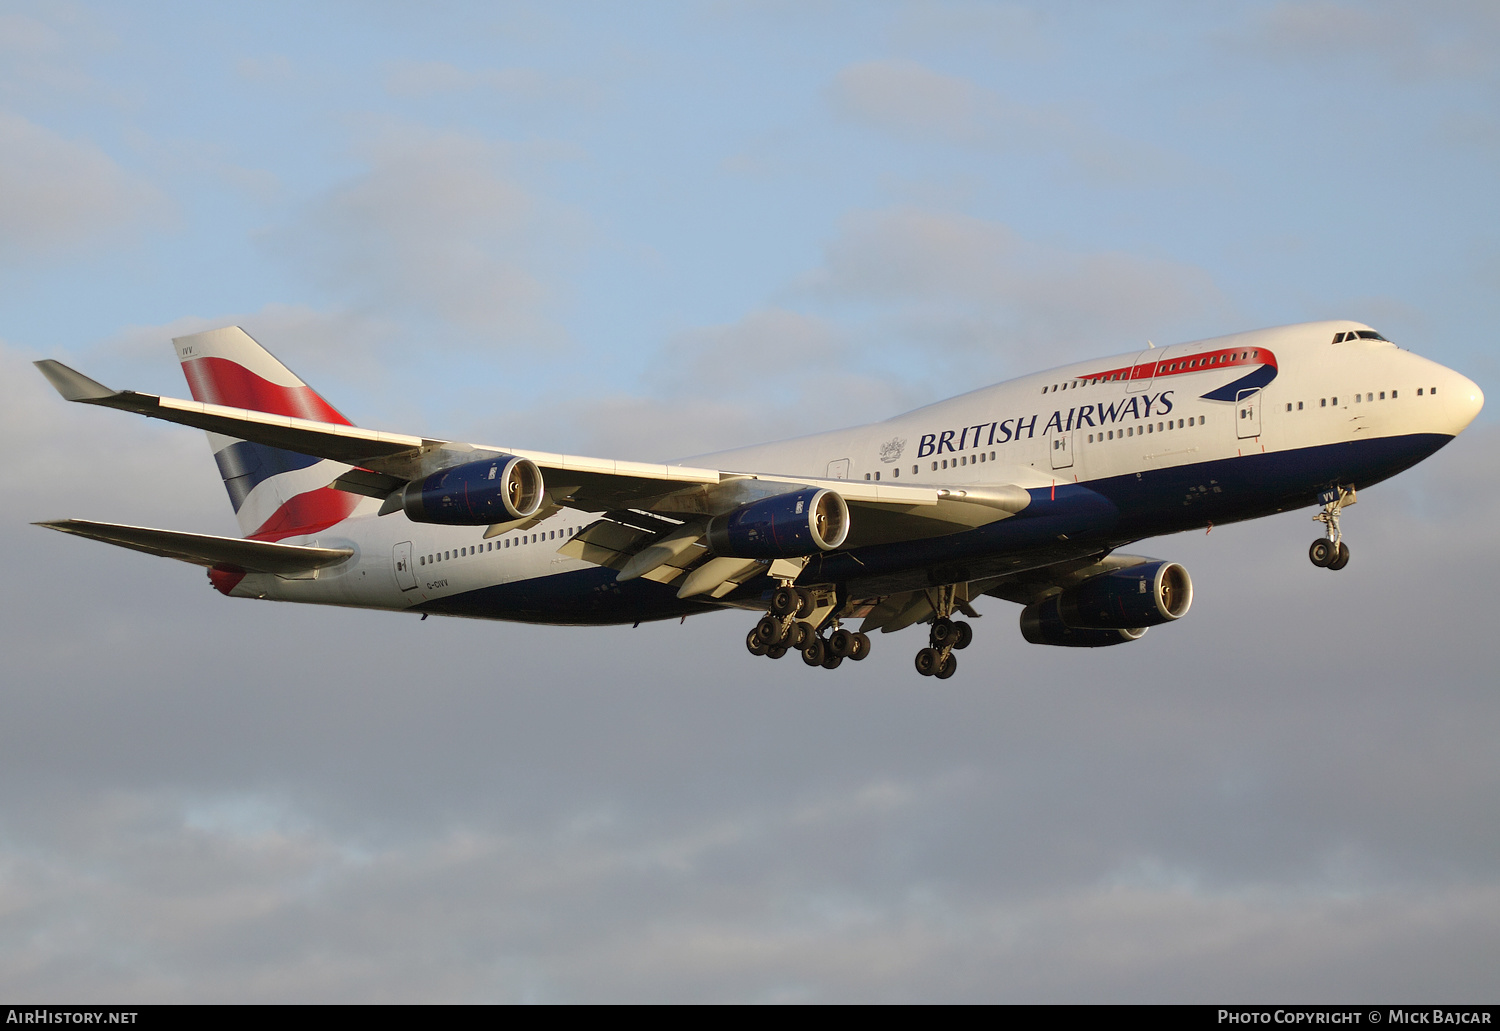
pixel 206 550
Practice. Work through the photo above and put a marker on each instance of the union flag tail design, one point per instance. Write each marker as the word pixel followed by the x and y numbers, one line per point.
pixel 275 493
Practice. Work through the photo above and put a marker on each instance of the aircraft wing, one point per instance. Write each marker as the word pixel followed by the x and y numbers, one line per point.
pixel 202 549
pixel 385 461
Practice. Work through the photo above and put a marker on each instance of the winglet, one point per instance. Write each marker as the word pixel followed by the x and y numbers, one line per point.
pixel 71 384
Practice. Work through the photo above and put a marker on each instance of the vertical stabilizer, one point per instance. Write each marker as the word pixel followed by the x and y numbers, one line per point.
pixel 275 493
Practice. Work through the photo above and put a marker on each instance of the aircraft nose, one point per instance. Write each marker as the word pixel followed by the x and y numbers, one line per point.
pixel 1467 401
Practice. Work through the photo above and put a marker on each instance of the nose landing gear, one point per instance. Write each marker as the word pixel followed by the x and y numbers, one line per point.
pixel 947 636
pixel 1331 552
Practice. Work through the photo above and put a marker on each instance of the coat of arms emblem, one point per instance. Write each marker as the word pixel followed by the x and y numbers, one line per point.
pixel 891 450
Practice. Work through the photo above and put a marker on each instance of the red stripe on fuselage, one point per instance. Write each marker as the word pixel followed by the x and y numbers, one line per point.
pixel 219 381
pixel 1203 361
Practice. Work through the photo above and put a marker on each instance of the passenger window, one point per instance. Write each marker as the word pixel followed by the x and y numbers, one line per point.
pixel 1419 391
pixel 1335 402
pixel 877 475
pixel 1299 406
pixel 1357 399
pixel 1370 397
pixel 1382 395
pixel 1432 390
pixel 1393 395
pixel 992 456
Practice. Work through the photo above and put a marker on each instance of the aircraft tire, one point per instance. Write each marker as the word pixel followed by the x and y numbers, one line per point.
pixel 776 651
pixel 814 652
pixel 833 662
pixel 927 660
pixel 801 634
pixel 942 632
pixel 753 642
pixel 1321 552
pixel 861 647
pixel 950 667
pixel 805 603
pixel 769 630
pixel 1342 558
pixel 964 636
pixel 840 643
pixel 785 601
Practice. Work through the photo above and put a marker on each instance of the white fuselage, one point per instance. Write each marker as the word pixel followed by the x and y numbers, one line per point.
pixel 1087 423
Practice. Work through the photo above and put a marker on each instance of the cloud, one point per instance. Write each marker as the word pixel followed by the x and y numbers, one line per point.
pixel 216 800
pixel 980 284
pixel 1454 40
pixel 58 195
pixel 440 227
pixel 911 101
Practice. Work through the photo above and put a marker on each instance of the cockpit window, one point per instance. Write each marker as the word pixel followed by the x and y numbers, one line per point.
pixel 1358 334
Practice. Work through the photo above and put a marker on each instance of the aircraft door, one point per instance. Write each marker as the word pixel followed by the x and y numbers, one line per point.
pixel 1247 413
pixel 1062 449
pixel 1143 371
pixel 838 469
pixel 406 577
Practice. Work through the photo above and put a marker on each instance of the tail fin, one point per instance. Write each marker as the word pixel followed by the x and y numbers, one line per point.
pixel 275 493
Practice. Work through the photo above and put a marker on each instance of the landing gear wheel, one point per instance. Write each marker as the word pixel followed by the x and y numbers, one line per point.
pixel 776 651
pixel 1322 552
pixel 769 629
pixel 840 643
pixel 949 667
pixel 784 601
pixel 860 648
pixel 927 661
pixel 1342 559
pixel 943 631
pixel 964 637
pixel 814 652
pixel 801 634
pixel 833 662
pixel 806 603
pixel 753 642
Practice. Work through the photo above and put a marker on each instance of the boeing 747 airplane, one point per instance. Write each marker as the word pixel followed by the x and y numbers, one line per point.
pixel 1022 491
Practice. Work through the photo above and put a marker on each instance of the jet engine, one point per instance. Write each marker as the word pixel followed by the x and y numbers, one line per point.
pixel 496 490
pixel 1041 624
pixel 784 526
pixel 1111 607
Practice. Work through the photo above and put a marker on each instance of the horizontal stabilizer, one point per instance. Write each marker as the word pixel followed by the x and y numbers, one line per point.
pixel 202 549
pixel 72 384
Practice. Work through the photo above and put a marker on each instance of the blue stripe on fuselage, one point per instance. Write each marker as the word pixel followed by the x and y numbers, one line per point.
pixel 1082 519
pixel 1252 381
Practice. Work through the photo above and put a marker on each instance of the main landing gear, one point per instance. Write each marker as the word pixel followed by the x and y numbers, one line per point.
pixel 948 635
pixel 1331 552
pixel 796 617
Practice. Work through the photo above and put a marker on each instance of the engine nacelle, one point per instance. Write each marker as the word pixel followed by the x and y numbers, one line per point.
pixel 1143 595
pixel 1041 624
pixel 496 490
pixel 785 526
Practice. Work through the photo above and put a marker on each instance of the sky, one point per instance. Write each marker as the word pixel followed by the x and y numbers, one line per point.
pixel 653 230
